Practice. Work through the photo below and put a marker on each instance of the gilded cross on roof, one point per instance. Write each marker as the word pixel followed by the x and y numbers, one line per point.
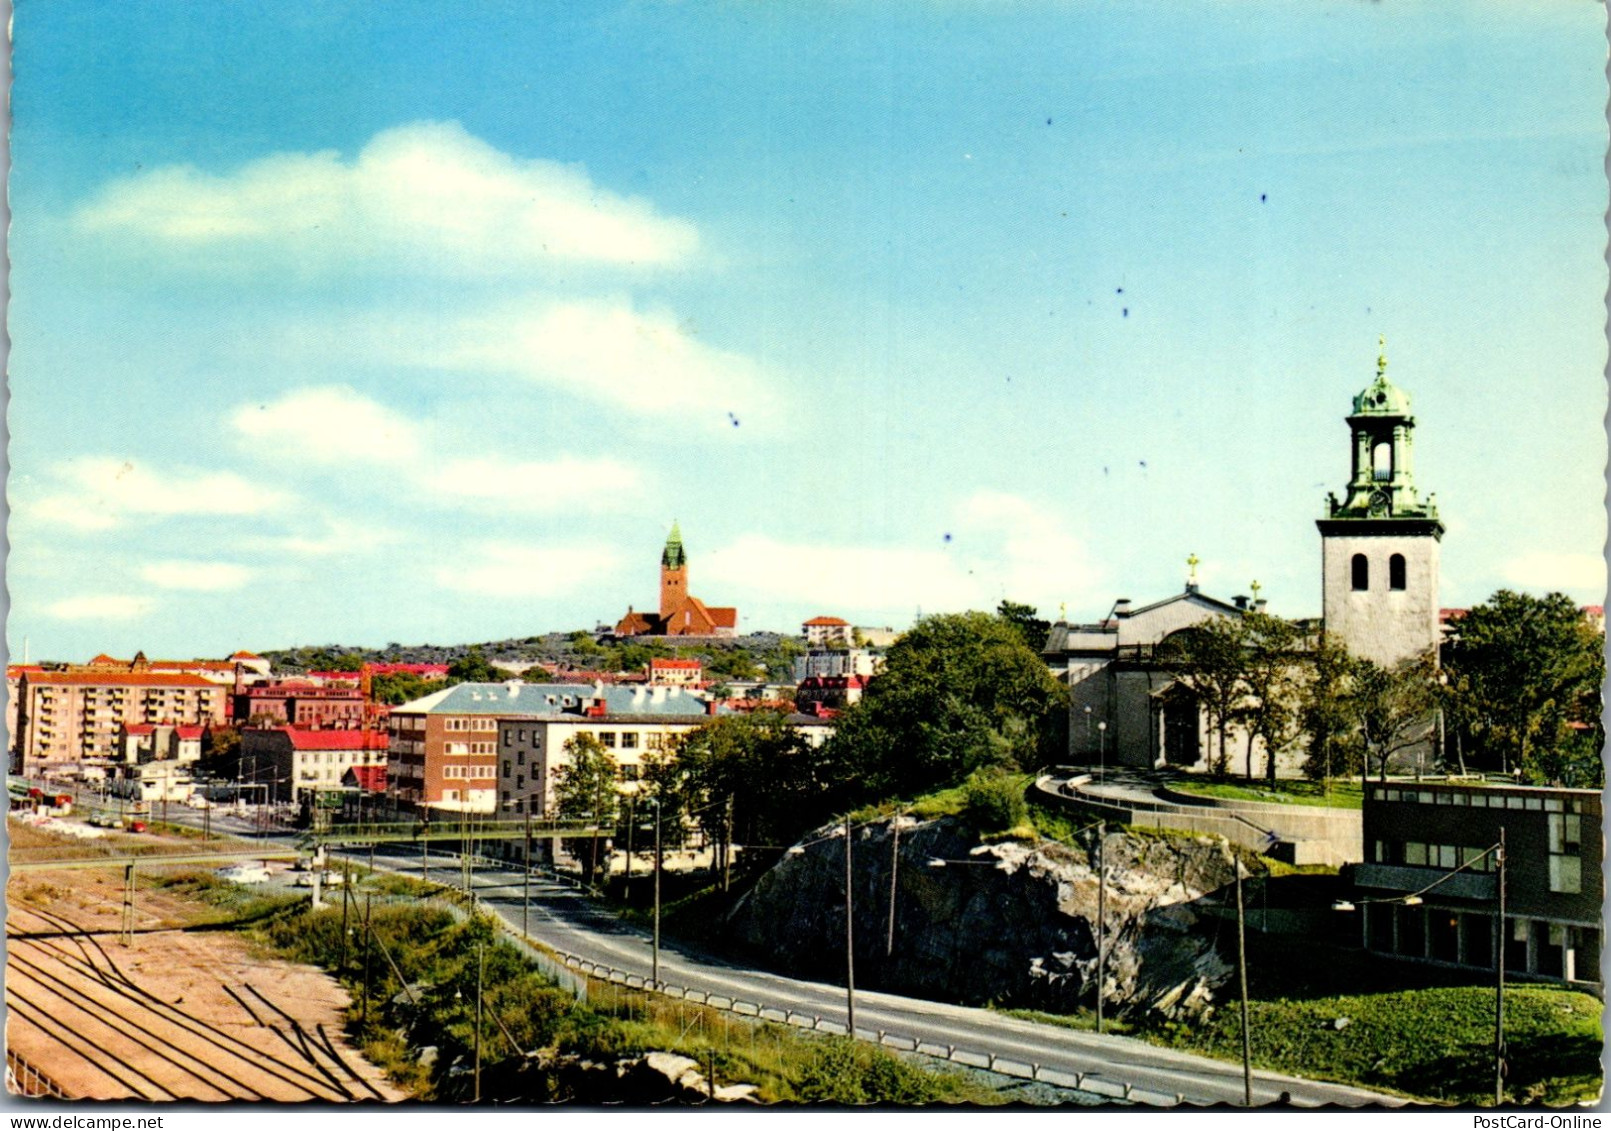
pixel 1381 358
pixel 1194 561
pixel 1256 587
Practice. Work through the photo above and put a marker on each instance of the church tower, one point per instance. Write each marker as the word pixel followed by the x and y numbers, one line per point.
pixel 673 574
pixel 1379 546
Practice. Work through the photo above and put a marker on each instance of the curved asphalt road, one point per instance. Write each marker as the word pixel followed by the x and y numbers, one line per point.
pixel 567 921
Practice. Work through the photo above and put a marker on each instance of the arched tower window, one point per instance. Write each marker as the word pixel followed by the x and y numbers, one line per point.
pixel 1396 572
pixel 1381 459
pixel 1361 570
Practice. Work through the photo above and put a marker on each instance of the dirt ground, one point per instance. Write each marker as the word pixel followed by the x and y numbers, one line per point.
pixel 176 1013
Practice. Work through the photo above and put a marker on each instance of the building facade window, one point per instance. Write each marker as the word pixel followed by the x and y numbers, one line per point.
pixel 1361 573
pixel 1565 865
pixel 1397 574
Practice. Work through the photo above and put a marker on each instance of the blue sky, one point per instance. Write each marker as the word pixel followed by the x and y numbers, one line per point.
pixel 370 323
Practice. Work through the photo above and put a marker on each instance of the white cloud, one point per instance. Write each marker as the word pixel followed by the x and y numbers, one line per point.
pixel 1550 572
pixel 425 195
pixel 203 576
pixel 574 484
pixel 504 570
pixel 339 537
pixel 645 361
pixel 1000 546
pixel 331 425
pixel 103 606
pixel 101 493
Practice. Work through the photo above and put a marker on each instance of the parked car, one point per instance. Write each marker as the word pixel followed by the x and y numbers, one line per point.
pixel 105 821
pixel 326 879
pixel 244 874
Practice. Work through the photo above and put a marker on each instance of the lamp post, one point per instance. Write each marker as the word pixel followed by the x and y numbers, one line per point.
pixel 1087 733
pixel 1102 750
pixel 654 965
pixel 850 917
pixel 1241 974
pixel 1496 852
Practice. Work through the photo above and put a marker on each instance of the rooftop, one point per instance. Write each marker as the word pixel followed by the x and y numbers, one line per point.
pixel 528 700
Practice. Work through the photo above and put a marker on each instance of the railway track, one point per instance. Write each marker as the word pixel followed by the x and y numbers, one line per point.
pixel 76 999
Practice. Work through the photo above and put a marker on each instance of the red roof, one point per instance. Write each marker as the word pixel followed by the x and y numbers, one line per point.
pixel 370 779
pixel 827 622
pixel 1594 610
pixel 333 739
pixel 140 728
pixel 189 731
pixel 244 655
pixel 131 679
pixel 675 665
pixel 414 669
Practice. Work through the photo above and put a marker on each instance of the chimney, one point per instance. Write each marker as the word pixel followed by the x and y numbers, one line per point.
pixel 1241 602
pixel 1258 606
pixel 1121 607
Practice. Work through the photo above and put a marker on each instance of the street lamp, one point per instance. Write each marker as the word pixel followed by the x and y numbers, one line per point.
pixel 1497 852
pixel 850 941
pixel 1102 749
pixel 1087 733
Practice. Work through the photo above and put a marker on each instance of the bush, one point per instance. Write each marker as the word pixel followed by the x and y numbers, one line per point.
pixel 994 801
pixel 845 1072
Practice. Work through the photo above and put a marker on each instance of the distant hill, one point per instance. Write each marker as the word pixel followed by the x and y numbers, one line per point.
pixel 756 655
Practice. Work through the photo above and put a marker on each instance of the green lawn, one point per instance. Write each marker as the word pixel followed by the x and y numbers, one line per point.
pixel 1435 1044
pixel 1342 794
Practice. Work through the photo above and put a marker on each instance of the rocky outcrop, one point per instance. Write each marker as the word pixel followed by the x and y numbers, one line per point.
pixel 1006 923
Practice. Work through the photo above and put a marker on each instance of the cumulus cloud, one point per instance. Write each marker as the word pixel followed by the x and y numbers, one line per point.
pixel 426 195
pixel 1000 546
pixel 334 537
pixel 506 570
pixel 101 606
pixel 1550 572
pixel 100 493
pixel 201 576
pixel 331 425
pixel 572 484
pixel 645 361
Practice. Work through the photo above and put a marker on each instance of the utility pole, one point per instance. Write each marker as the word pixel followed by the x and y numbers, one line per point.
pixel 1499 983
pixel 480 975
pixel 525 891
pixel 894 865
pixel 654 969
pixel 850 943
pixel 1241 969
pixel 1101 919
pixel 368 899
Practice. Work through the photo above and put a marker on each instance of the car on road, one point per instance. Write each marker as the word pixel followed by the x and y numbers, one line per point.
pixel 326 879
pixel 245 874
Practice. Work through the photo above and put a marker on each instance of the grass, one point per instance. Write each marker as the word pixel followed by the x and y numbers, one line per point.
pixel 1342 795
pixel 1434 1043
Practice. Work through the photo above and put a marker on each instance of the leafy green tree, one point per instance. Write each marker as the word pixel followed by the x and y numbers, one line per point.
pixel 1393 707
pixel 1326 713
pixel 957 692
pixel 1032 628
pixel 752 780
pixel 401 687
pixel 347 662
pixel 1527 672
pixel 587 787
pixel 1271 678
pixel 1211 657
pixel 473 667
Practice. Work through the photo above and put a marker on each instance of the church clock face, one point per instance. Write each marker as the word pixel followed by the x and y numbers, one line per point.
pixel 1378 503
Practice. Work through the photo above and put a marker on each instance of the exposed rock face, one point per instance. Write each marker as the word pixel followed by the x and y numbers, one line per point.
pixel 1013 925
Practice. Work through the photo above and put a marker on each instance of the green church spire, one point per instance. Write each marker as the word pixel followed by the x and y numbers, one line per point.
pixel 673 556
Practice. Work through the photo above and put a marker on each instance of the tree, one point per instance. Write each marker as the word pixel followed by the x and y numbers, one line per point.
pixel 1527 672
pixel 1326 713
pixel 1392 706
pixel 401 687
pixel 1031 627
pixel 473 667
pixel 957 692
pixel 1211 657
pixel 587 787
pixel 1269 708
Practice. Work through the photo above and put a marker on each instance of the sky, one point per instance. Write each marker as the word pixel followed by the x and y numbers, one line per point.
pixel 412 322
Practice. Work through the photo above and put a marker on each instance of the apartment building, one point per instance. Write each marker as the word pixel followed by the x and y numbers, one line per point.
pixel 1432 839
pixel 295 762
pixel 67 717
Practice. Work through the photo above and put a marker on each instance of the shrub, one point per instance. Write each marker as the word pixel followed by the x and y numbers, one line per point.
pixel 994 801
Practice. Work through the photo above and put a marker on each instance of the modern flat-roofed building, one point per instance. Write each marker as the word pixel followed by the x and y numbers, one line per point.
pixel 65 717
pixel 1431 837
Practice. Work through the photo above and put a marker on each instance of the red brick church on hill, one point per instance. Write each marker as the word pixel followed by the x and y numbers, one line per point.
pixel 681 613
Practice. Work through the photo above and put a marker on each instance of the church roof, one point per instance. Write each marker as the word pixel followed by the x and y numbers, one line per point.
pixel 1381 397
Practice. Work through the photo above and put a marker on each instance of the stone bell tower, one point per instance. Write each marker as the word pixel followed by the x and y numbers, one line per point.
pixel 1379 546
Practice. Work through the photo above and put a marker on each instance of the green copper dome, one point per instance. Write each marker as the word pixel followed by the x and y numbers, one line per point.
pixel 1382 398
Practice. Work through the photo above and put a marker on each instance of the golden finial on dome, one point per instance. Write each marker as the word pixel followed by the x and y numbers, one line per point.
pixel 1381 358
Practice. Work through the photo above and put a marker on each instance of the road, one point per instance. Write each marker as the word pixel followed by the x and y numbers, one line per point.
pixel 573 924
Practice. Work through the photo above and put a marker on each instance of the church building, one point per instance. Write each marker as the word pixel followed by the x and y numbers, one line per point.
pixel 1379 590
pixel 681 613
